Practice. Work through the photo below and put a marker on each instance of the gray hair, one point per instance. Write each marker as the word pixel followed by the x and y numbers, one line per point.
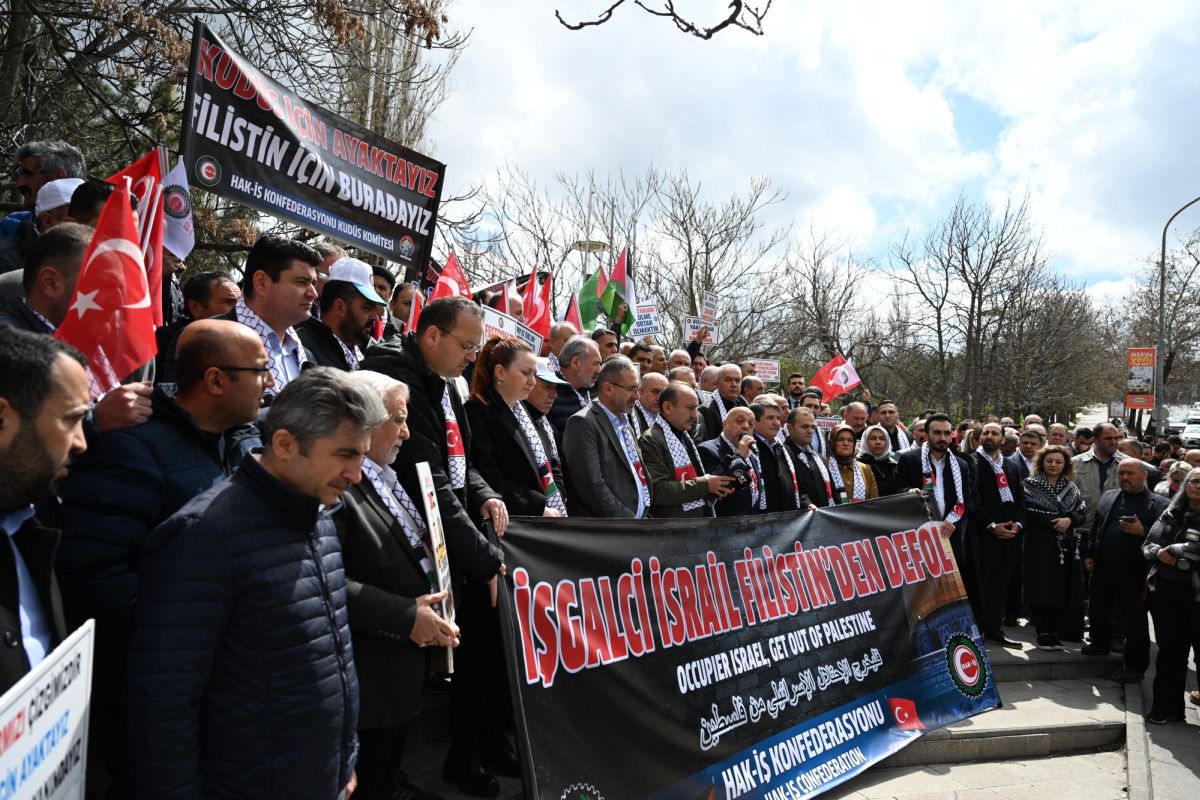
pixel 613 366
pixel 329 250
pixel 576 347
pixel 382 385
pixel 709 372
pixel 55 155
pixel 316 404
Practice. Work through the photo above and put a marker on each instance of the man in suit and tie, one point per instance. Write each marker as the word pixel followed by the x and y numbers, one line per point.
pixel 729 452
pixel 579 364
pixel 948 476
pixel 996 521
pixel 781 480
pixel 681 488
pixel 604 470
pixel 392 597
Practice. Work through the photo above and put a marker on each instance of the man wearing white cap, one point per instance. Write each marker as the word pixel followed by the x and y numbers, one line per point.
pixel 350 312
pixel 538 404
pixel 53 200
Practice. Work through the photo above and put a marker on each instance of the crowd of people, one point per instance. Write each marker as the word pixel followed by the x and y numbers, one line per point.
pixel 248 530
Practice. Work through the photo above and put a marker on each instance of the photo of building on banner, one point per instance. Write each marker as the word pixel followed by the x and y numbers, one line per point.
pixel 247 138
pixel 723 659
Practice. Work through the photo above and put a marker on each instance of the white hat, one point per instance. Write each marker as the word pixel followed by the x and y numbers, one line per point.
pixel 351 270
pixel 54 194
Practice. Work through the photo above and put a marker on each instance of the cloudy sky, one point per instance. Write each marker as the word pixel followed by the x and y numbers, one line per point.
pixel 873 116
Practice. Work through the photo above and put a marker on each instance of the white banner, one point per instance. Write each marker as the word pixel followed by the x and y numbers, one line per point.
pixel 44 721
pixel 709 312
pixel 497 324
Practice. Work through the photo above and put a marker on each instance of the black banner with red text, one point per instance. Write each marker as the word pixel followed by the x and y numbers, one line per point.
pixel 753 657
pixel 247 138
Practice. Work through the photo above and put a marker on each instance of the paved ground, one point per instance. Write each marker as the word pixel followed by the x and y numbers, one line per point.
pixel 1095 776
pixel 1173 749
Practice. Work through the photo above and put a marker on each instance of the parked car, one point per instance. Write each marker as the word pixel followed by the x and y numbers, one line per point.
pixel 1191 436
pixel 1176 424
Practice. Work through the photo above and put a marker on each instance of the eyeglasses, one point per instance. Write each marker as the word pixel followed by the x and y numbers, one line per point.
pixel 470 347
pixel 259 370
pixel 633 388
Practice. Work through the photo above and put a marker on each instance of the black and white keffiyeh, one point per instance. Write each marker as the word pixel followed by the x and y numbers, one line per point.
pixel 823 469
pixel 405 512
pixel 681 458
pixel 927 470
pixel 859 491
pixel 1053 501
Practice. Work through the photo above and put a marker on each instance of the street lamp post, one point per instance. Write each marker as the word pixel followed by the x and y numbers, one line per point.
pixel 1160 405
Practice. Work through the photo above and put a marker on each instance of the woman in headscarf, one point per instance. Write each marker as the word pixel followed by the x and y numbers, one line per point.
pixel 875 450
pixel 1173 548
pixel 1052 570
pixel 852 482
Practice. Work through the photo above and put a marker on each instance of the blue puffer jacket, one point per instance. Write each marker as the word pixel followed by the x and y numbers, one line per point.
pixel 128 482
pixel 241 678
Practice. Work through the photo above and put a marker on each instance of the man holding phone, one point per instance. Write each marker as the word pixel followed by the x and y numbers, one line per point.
pixel 1114 559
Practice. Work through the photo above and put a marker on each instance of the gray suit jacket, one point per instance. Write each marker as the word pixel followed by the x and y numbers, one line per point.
pixel 599 481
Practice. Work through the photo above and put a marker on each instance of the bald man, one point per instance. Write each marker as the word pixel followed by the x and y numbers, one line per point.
pixel 646 409
pixel 560 333
pixel 729 454
pixel 726 396
pixel 131 480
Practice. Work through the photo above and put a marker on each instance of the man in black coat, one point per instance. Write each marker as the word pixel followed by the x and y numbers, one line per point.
pixel 781 478
pixel 712 413
pixel 130 481
pixel 1112 554
pixel 446 341
pixel 811 470
pixel 728 454
pixel 578 365
pixel 393 599
pixel 241 679
pixel 43 400
pixel 951 500
pixel 350 309
pixel 997 519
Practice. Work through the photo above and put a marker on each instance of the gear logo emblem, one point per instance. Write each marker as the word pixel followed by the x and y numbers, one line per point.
pixel 966 664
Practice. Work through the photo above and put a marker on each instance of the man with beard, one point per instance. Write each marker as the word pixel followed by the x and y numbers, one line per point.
pixel 946 477
pixel 673 462
pixel 996 523
pixel 43 401
pixel 889 418
pixel 795 390
pixel 350 309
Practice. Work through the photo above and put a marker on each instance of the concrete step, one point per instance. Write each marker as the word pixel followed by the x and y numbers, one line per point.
pixel 1038 719
pixel 1030 664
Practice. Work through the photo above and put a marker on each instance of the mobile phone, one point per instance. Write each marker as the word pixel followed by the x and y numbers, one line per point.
pixel 1128 519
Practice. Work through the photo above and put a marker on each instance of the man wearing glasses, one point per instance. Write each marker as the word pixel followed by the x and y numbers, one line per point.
pixel 603 465
pixel 446 340
pixel 132 479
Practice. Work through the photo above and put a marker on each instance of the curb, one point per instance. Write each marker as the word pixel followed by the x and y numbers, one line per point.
pixel 1137 748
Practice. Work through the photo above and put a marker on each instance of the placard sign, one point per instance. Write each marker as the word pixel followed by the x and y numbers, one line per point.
pixel 647 321
pixel 766 370
pixel 693 324
pixel 44 723
pixel 709 312
pixel 441 556
pixel 497 324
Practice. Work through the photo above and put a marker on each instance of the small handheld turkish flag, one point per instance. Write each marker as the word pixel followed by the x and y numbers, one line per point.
pixel 904 711
pixel 111 318
pixel 451 282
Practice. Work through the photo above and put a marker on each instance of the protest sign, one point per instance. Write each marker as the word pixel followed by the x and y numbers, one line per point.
pixel 497 324
pixel 44 723
pixel 647 321
pixel 826 424
pixel 766 370
pixel 767 656
pixel 248 138
pixel 709 312
pixel 441 557
pixel 693 324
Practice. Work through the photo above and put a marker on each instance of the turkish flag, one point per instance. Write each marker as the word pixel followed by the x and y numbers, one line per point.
pixel 146 174
pixel 835 378
pixel 451 282
pixel 905 713
pixel 572 315
pixel 111 319
pixel 536 305
pixel 414 311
